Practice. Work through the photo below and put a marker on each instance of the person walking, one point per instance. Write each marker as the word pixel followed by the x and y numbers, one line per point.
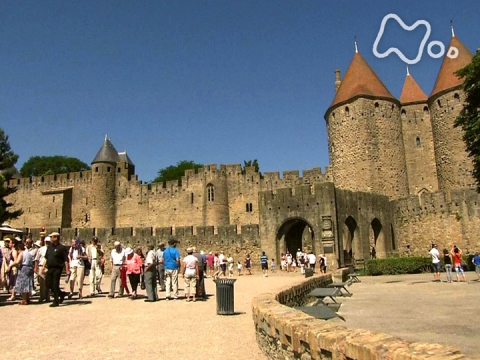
pixel 447 260
pixel 117 260
pixel 41 270
pixel 77 257
pixel 435 254
pixel 264 263
pixel 248 264
pixel 457 262
pixel 56 257
pixel 95 256
pixel 150 272
pixel 171 257
pixel 24 264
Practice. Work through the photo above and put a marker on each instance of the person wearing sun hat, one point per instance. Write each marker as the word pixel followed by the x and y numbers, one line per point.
pixel 56 258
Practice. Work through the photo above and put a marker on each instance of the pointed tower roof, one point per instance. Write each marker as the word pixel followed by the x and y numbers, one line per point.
pixel 124 157
pixel 360 79
pixel 411 92
pixel 107 153
pixel 446 78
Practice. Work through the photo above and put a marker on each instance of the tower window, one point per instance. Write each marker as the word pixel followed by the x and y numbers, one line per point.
pixel 108 168
pixel 425 110
pixel 418 142
pixel 377 107
pixel 439 103
pixel 456 97
pixel 347 111
pixel 96 168
pixel 191 198
pixel 404 114
pixel 210 192
pixel 249 207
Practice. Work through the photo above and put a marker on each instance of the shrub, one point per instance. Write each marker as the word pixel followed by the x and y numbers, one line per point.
pixel 399 265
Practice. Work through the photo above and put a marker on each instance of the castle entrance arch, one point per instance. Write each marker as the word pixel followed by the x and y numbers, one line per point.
pixel 350 241
pixel 294 234
pixel 377 239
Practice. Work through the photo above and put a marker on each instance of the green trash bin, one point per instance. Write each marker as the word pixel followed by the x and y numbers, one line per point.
pixel 308 272
pixel 225 299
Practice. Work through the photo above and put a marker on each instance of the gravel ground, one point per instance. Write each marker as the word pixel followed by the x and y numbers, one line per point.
pixel 102 328
pixel 412 307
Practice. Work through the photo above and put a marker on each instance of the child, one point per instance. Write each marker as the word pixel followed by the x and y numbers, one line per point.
pixel 239 268
pixel 272 265
pixel 294 265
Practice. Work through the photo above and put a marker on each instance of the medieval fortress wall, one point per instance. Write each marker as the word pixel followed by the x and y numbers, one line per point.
pixel 399 176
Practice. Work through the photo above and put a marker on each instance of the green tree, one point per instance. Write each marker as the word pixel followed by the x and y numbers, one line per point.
pixel 176 172
pixel 8 159
pixel 251 163
pixel 469 118
pixel 49 165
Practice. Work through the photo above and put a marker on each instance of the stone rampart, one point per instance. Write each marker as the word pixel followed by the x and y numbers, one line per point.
pixel 285 333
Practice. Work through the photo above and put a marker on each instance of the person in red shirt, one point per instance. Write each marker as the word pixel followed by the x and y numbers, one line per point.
pixel 134 269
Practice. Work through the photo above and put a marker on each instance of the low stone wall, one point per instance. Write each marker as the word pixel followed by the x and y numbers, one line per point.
pixel 285 333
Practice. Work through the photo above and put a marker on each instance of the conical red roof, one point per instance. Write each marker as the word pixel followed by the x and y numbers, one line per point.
pixel 446 78
pixel 411 92
pixel 360 79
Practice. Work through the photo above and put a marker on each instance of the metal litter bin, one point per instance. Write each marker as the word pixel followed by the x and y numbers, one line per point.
pixel 225 299
pixel 308 272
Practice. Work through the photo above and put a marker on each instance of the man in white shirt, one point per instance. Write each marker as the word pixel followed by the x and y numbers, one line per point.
pixel 435 254
pixel 312 260
pixel 39 269
pixel 117 259
pixel 190 274
pixel 150 278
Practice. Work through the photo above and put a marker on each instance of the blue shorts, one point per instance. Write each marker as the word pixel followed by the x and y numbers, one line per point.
pixel 436 267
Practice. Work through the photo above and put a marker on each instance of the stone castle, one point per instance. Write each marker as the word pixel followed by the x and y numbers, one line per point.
pixel 399 179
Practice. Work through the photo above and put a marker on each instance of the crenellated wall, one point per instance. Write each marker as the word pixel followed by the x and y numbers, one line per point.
pixel 441 218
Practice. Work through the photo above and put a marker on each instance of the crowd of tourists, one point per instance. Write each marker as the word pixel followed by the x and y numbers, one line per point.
pixel 31 267
pixel 452 259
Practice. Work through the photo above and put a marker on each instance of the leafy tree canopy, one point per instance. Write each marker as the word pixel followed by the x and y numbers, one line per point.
pixel 469 118
pixel 176 172
pixel 8 160
pixel 250 163
pixel 47 165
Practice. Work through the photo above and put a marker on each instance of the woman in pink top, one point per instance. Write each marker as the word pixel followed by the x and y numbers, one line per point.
pixel 134 269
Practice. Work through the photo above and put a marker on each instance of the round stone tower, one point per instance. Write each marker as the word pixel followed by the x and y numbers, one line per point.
pixel 417 138
pixel 454 168
pixel 103 200
pixel 365 135
pixel 216 196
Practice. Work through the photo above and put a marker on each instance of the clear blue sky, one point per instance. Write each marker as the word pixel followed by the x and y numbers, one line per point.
pixel 208 81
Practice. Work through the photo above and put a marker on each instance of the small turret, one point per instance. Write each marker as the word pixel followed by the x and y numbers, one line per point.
pixel 337 79
pixel 103 189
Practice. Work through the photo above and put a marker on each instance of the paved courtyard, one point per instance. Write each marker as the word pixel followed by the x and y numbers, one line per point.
pixel 411 307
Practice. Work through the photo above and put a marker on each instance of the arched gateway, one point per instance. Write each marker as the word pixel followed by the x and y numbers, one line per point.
pixel 294 234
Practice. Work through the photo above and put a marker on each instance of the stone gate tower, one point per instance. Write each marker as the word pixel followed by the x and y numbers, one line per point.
pixel 365 134
pixel 103 194
pixel 417 138
pixel 454 168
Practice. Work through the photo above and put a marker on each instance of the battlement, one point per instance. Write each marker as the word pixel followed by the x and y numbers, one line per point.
pixel 453 203
pixel 65 179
